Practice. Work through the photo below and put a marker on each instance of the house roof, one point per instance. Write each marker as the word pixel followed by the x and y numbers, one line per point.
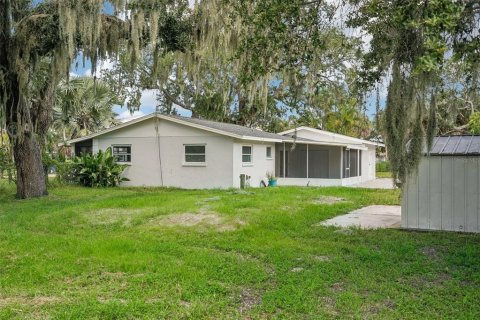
pixel 464 145
pixel 231 130
pixel 344 138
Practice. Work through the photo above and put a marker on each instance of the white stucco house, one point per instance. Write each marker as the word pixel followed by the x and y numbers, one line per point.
pixel 174 151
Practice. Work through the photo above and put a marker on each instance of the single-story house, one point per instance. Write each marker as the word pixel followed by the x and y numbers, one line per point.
pixel 174 151
pixel 444 193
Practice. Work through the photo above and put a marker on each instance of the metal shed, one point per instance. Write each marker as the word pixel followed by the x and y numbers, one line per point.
pixel 445 192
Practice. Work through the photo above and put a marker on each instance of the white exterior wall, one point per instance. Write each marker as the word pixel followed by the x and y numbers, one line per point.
pixel 444 195
pixel 145 170
pixel 260 165
pixel 369 160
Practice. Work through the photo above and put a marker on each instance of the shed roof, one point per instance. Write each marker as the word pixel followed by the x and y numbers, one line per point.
pixel 464 145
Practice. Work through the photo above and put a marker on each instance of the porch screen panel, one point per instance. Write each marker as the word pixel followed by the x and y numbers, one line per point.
pixel 353 163
pixel 318 164
pixel 286 163
pixel 297 164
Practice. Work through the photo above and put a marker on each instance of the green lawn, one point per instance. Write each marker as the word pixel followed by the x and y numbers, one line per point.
pixel 128 253
pixel 383 174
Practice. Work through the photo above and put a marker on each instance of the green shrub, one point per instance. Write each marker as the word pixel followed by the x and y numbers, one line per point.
pixel 98 170
pixel 64 172
pixel 383 166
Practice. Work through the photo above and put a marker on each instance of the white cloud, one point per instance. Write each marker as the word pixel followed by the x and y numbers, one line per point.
pixel 127 115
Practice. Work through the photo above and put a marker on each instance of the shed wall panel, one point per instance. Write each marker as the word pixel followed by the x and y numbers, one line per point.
pixel 444 195
pixel 458 180
pixel 447 193
pixel 471 185
pixel 423 193
pixel 412 204
pixel 435 185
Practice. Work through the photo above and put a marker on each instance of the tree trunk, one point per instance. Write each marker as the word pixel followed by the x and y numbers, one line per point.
pixel 30 172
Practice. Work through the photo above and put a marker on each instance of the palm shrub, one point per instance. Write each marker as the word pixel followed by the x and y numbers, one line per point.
pixel 98 170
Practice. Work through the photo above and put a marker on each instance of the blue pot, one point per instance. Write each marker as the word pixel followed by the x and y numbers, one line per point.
pixel 272 182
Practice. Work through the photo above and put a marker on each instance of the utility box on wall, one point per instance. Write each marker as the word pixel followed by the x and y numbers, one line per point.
pixel 444 194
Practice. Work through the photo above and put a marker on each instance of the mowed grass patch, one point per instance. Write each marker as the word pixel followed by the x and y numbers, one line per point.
pixel 169 253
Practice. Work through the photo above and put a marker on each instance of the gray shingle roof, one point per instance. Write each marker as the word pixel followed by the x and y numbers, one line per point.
pixel 231 128
pixel 466 145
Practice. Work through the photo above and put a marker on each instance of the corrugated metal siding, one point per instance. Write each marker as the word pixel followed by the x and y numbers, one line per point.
pixel 444 195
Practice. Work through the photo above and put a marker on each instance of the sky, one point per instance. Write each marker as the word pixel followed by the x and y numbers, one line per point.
pixel 148 101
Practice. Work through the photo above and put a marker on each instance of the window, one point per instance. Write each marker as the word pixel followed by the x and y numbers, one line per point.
pixel 269 152
pixel 123 153
pixel 246 154
pixel 195 154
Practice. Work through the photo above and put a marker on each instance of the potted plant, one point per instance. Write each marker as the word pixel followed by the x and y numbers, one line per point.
pixel 272 180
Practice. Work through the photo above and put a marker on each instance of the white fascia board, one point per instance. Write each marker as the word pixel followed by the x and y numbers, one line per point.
pixel 332 134
pixel 123 125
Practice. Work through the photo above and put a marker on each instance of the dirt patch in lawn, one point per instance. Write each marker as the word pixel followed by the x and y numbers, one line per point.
pixel 328 200
pixel 107 216
pixel 249 298
pixel 431 253
pixel 34 301
pixel 202 219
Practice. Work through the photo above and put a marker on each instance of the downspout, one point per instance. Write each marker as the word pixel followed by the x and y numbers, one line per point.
pixel 284 160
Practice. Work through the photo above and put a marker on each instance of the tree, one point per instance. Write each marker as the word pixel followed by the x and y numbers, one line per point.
pixel 253 63
pixel 55 31
pixel 83 106
pixel 411 42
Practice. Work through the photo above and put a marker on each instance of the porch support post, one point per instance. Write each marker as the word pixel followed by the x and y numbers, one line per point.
pixel 341 162
pixel 284 160
pixel 307 162
pixel 358 163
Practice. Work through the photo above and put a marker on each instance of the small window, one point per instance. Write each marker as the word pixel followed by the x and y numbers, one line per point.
pixel 123 153
pixel 195 154
pixel 269 152
pixel 246 154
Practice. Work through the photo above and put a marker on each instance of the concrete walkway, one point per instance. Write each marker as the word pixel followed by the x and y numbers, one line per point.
pixel 381 183
pixel 371 217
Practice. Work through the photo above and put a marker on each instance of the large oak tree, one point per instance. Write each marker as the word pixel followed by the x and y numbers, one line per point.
pixel 53 33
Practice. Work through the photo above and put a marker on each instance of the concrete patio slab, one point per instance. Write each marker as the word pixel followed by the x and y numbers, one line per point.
pixel 381 183
pixel 371 217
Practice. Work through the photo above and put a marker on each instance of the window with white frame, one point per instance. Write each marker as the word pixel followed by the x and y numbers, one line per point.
pixel 195 154
pixel 123 153
pixel 247 154
pixel 269 152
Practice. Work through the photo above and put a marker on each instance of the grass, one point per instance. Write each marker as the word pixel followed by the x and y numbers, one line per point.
pixel 128 253
pixel 383 174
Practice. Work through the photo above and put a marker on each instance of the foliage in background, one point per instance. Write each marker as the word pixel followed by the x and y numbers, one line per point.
pixel 474 123
pixel 383 166
pixel 50 35
pixel 256 64
pixel 412 41
pixel 7 167
pixel 83 106
pixel 98 170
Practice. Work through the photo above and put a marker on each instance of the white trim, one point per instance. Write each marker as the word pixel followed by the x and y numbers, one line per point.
pixel 175 120
pixel 247 163
pixel 266 153
pixel 186 163
pixel 122 145
pixel 332 134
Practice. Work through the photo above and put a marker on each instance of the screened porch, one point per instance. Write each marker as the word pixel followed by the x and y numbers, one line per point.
pixel 315 164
